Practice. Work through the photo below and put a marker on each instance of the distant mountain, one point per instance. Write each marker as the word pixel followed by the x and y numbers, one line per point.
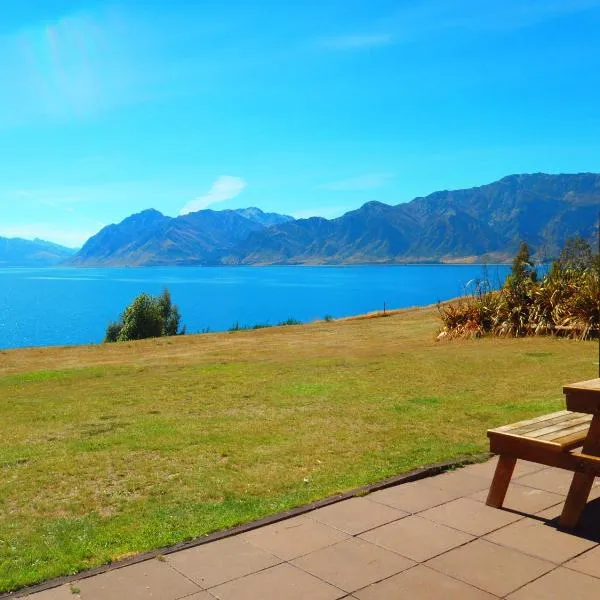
pixel 16 252
pixel 263 218
pixel 149 238
pixel 486 222
pixel 482 222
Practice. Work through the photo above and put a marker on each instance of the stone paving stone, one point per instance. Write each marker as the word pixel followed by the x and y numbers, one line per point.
pixel 459 481
pixel 588 563
pixel 490 567
pixel 283 582
pixel 422 583
pixel 356 515
pixel 558 585
pixel 557 481
pixel 589 524
pixel 413 497
pixel 218 562
pixel 524 499
pixel 151 579
pixel 416 538
pixel 540 539
pixel 488 468
pixel 294 537
pixel 59 593
pixel 470 516
pixel 353 564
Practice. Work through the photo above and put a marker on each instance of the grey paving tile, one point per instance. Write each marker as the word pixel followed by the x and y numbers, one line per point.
pixel 490 567
pixel 460 481
pixel 294 537
pixel 589 524
pixel 283 582
pixel 356 515
pixel 353 564
pixel 557 481
pixel 64 592
pixel 416 538
pixel 217 562
pixel 488 468
pixel 558 585
pixel 540 539
pixel 151 579
pixel 413 497
pixel 588 563
pixel 470 516
pixel 422 583
pixel 524 499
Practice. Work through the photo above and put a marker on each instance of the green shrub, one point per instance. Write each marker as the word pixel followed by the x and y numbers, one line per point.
pixel 146 317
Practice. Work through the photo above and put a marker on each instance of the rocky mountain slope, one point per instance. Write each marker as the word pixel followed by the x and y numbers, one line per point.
pixel 486 222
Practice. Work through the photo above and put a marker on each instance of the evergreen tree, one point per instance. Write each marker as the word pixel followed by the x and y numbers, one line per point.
pixel 523 268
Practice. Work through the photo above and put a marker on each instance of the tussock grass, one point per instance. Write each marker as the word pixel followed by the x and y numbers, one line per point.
pixel 111 450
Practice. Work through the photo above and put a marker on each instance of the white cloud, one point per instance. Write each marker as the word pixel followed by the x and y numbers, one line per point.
pixel 224 188
pixel 370 181
pixel 356 42
pixel 70 237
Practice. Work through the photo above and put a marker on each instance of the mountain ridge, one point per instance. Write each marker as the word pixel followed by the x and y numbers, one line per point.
pixel 486 222
pixel 18 252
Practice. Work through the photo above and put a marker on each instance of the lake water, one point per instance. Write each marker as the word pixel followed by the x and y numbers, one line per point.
pixel 60 306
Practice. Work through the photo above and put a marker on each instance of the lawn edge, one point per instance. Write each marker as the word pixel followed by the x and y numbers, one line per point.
pixel 414 475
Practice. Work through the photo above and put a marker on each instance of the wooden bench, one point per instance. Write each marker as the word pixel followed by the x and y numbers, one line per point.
pixel 549 440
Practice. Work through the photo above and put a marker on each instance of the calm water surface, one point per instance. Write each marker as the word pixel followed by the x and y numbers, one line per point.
pixel 60 306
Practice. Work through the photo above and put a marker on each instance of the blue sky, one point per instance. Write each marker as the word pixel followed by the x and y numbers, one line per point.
pixel 305 108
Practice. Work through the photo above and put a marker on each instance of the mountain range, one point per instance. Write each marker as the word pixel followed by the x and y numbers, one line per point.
pixel 150 238
pixel 486 222
pixel 16 252
pixel 481 223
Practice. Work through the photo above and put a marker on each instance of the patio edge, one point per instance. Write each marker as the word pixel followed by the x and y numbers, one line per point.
pixel 415 475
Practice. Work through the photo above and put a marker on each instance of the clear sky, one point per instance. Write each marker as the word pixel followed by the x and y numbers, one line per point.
pixel 308 107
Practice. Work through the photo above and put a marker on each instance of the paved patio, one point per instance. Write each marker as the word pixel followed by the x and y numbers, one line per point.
pixel 434 538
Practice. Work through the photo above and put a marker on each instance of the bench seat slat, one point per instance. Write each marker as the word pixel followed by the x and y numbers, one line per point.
pixel 555 431
pixel 531 421
pixel 555 420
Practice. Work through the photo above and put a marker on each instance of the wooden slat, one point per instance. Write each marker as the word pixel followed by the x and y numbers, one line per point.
pixel 509 441
pixel 589 458
pixel 555 424
pixel 555 436
pixel 531 421
pixel 548 433
pixel 572 440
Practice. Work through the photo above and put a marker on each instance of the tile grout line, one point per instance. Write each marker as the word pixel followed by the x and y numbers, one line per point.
pixel 476 586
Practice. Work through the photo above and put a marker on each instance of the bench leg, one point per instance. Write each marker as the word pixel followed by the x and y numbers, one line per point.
pixel 502 476
pixel 576 499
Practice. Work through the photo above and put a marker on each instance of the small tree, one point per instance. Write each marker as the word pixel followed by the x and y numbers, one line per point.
pixel 146 317
pixel 576 254
pixel 523 268
pixel 169 313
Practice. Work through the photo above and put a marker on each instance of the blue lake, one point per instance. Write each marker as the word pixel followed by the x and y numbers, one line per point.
pixel 60 306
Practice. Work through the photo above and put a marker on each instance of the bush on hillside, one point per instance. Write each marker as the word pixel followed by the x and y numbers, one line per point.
pixel 146 317
pixel 566 301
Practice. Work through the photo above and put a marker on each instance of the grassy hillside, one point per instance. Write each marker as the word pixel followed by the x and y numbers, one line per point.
pixel 110 450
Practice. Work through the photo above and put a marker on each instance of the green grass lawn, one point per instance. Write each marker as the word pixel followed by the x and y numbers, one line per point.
pixel 108 451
